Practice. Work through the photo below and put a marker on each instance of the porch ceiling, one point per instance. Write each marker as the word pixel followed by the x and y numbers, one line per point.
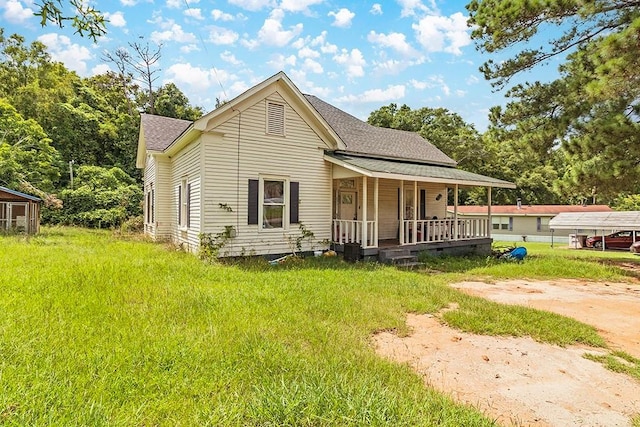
pixel 392 169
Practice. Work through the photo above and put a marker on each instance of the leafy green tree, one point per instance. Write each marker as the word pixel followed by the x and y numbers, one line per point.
pixel 445 129
pixel 171 102
pixel 100 198
pixel 83 17
pixel 589 115
pixel 27 159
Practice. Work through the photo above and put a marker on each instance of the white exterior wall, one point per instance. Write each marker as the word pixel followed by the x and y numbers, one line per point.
pixel 240 150
pixel 157 171
pixel 186 166
pixel 150 229
pixel 388 203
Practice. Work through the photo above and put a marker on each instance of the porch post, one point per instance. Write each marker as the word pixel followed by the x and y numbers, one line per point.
pixel 414 237
pixel 376 213
pixel 489 224
pixel 365 202
pixel 455 212
pixel 401 229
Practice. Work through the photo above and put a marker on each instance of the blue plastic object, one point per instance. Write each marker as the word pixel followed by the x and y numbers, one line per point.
pixel 517 254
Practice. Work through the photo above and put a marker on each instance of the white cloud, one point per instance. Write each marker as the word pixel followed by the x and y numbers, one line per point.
pixel 353 62
pixel 253 5
pixel 419 85
pixel 72 55
pixel 396 41
pixel 443 34
pixel 376 9
pixel 272 32
pixel 100 69
pixel 116 19
pixel 219 15
pixel 460 93
pixel 174 33
pixel 471 80
pixel 312 66
pixel 307 52
pixel 342 18
pixel 15 13
pixel 222 36
pixel 128 2
pixel 298 5
pixel 188 48
pixel 230 58
pixel 410 7
pixel 306 85
pixel 194 78
pixel 391 93
pixel 174 4
pixel 194 13
pixel 279 61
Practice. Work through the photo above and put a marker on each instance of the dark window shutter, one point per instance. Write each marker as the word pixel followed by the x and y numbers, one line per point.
pixel 253 201
pixel 188 205
pixel 423 204
pixel 294 211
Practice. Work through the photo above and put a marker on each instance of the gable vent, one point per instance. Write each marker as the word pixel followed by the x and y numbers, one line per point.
pixel 275 118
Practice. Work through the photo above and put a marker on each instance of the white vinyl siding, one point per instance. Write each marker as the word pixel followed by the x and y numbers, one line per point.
pixel 388 203
pixel 232 159
pixel 186 179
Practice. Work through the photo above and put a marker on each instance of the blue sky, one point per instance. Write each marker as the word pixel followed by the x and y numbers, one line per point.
pixel 356 55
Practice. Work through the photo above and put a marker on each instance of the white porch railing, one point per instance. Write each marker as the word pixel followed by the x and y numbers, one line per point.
pixel 350 231
pixel 440 230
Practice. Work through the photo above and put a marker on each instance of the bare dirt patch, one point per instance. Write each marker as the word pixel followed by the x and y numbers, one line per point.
pixel 518 381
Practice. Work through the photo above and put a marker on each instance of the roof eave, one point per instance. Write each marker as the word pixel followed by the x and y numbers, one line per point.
pixel 395 176
pixel 401 159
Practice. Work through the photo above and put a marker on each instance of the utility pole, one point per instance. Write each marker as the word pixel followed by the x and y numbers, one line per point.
pixel 71 172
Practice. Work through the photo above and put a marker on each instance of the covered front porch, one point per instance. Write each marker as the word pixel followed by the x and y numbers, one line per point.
pixel 380 204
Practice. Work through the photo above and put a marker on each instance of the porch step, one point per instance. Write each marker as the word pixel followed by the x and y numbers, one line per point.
pixel 399 257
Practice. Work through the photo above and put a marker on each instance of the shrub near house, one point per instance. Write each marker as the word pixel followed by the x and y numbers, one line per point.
pixel 101 198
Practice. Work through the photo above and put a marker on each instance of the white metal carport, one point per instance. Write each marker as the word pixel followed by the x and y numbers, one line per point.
pixel 597 221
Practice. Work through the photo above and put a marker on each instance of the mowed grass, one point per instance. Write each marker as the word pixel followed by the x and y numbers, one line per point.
pixel 97 330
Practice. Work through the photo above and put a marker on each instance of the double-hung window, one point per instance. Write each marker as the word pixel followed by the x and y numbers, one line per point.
pixel 184 204
pixel 274 206
pixel 150 217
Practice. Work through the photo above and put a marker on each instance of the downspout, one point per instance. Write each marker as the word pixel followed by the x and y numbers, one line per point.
pixel 489 225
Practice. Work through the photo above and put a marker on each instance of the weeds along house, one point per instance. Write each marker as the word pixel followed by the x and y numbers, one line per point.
pixel 273 167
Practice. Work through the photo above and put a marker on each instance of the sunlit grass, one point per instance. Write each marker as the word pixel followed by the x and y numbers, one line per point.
pixel 99 330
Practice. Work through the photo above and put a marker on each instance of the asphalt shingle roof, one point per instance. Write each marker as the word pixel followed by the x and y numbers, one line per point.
pixel 160 132
pixel 362 138
pixel 443 173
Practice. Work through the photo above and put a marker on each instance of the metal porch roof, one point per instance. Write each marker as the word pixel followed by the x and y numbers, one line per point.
pixel 393 169
pixel 19 194
pixel 629 220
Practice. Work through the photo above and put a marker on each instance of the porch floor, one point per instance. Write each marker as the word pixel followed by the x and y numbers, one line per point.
pixel 476 246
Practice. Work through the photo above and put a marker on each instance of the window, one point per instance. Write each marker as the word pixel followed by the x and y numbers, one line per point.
pixel 184 204
pixel 275 118
pixel 502 223
pixel 542 224
pixel 273 202
pixel 150 202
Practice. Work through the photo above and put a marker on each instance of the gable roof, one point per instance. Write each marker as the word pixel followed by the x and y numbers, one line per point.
pixel 159 132
pixel 362 138
pixel 19 194
pixel 530 210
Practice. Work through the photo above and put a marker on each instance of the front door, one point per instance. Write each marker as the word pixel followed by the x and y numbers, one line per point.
pixel 348 206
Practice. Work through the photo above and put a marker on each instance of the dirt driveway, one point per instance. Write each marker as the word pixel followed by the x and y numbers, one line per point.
pixel 518 381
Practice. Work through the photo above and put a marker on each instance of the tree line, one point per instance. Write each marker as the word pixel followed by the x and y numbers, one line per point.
pixel 576 139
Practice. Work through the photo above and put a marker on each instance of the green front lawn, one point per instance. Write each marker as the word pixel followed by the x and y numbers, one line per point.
pixel 99 330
